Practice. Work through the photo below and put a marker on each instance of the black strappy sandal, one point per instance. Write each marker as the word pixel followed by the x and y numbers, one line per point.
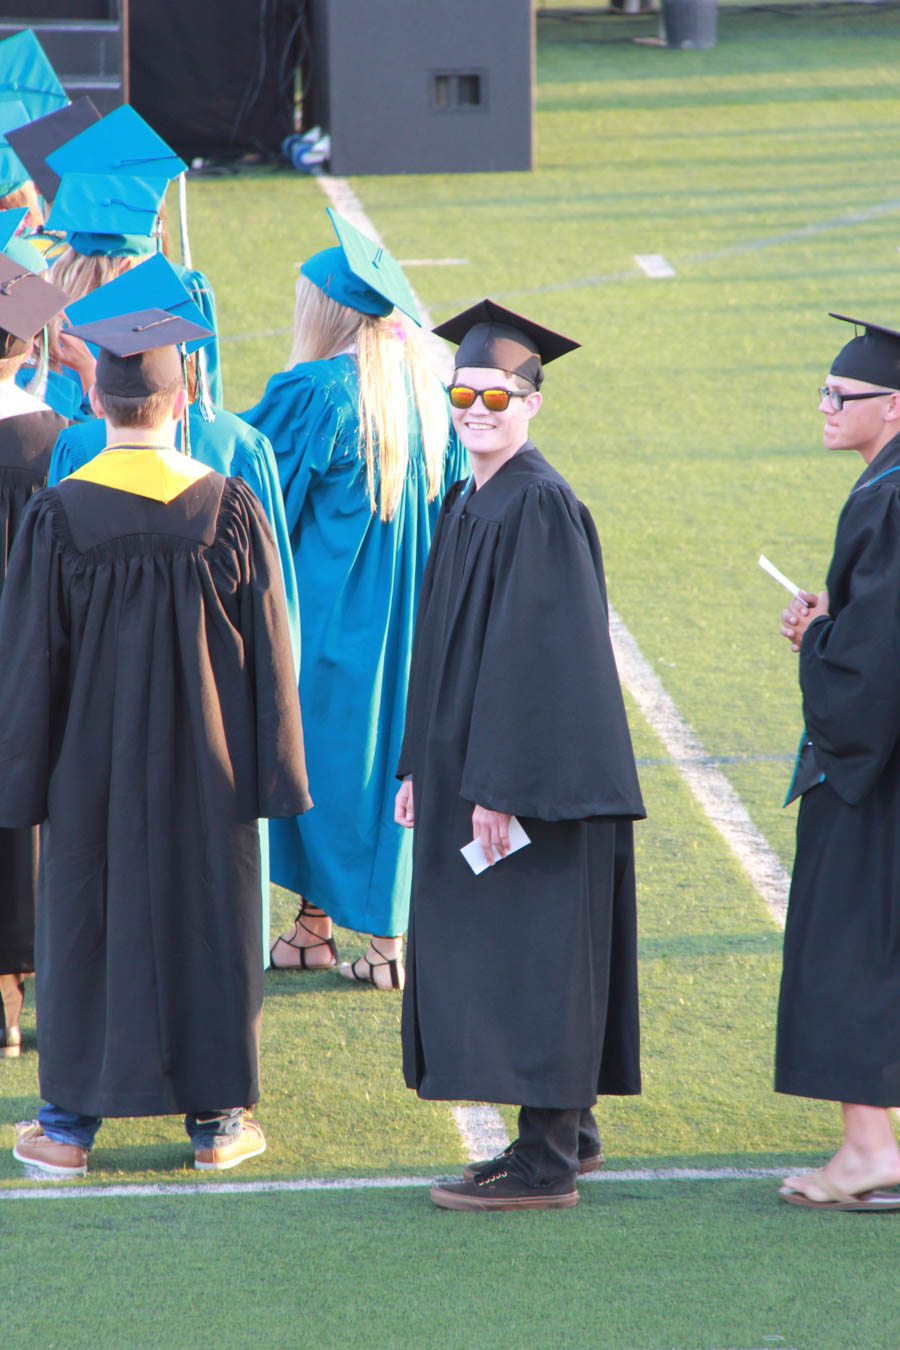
pixel 394 965
pixel 303 948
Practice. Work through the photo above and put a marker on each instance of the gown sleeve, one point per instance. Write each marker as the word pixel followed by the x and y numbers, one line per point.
pixel 548 735
pixel 304 424
pixel 255 463
pixel 850 662
pixel 282 785
pixel 33 651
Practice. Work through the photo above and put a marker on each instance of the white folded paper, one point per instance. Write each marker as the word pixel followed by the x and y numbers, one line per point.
pixel 474 853
pixel 778 576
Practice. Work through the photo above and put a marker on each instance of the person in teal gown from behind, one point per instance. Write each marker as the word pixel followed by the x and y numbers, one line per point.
pixel 360 512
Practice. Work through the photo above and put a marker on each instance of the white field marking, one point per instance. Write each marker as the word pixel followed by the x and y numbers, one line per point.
pixel 654 265
pixel 748 246
pixel 483 1130
pixel 706 781
pixel 801 232
pixel 68 1190
pixel 433 262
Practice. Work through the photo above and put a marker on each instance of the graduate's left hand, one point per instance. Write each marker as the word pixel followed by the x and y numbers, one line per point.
pixel 492 828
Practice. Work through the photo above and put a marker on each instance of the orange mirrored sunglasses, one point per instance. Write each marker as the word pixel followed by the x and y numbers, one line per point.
pixel 495 400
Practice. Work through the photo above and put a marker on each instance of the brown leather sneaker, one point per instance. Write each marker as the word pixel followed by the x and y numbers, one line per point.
pixel 47 1156
pixel 503 1190
pixel 231 1150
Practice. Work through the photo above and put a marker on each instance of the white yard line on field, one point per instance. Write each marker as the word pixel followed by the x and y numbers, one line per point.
pixel 482 1128
pixel 73 1190
pixel 705 779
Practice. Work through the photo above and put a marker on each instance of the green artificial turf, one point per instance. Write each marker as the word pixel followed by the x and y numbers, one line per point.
pixel 635 1266
pixel 764 170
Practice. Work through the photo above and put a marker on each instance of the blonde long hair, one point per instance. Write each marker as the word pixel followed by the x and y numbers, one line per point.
pixel 78 275
pixel 388 350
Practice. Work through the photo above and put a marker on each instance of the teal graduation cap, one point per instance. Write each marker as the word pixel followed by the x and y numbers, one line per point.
pixel 360 274
pixel 28 77
pixel 106 213
pixel 122 142
pixel 153 284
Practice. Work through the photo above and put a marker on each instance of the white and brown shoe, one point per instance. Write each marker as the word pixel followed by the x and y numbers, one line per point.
pixel 231 1150
pixel 47 1159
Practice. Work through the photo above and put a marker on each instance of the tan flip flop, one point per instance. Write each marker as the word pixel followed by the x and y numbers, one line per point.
pixel 870 1200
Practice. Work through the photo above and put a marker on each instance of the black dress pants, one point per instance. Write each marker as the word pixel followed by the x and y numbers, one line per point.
pixel 550 1142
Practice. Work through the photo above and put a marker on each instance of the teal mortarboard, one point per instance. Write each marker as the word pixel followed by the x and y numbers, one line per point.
pixel 872 356
pixel 27 302
pixel 360 273
pixel 27 76
pixel 13 172
pixel 34 141
pixel 105 213
pixel 14 245
pixel 153 284
pixel 122 142
pixel 490 336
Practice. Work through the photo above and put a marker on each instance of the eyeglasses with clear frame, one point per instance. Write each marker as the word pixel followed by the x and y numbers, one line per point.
pixel 836 399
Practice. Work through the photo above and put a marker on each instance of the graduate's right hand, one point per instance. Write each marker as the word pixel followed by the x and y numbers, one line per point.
pixel 492 828
pixel 403 805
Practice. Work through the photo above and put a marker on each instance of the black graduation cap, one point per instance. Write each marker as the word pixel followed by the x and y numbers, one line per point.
pixel 34 141
pixel 138 352
pixel 489 335
pixel 872 356
pixel 27 302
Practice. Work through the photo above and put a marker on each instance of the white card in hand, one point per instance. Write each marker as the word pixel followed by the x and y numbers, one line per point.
pixel 474 853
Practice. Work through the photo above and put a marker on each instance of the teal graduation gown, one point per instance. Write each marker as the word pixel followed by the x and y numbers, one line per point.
pixel 231 447
pixel 360 579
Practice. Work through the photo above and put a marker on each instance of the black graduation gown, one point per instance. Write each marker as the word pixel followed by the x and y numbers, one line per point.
pixel 26 443
pixel 152 716
pixel 521 982
pixel 839 1010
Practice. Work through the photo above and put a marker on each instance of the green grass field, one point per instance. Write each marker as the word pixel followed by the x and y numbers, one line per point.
pixel 765 171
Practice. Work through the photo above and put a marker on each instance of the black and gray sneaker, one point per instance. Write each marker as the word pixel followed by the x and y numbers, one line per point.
pixel 504 1190
pixel 587 1162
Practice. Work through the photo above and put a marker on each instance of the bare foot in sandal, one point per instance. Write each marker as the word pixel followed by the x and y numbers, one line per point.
pixel 308 945
pixel 381 964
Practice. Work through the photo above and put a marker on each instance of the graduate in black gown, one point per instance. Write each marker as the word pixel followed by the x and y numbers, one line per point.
pixel 151 716
pixel 28 430
pixel 521 981
pixel 839 1010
